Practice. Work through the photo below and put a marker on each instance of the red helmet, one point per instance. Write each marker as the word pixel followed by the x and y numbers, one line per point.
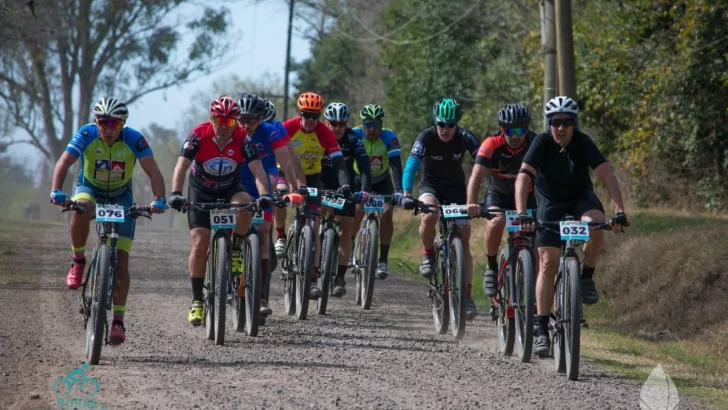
pixel 225 106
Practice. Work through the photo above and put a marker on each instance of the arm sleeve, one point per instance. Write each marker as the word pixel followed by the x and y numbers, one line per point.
pixel 471 143
pixel 190 146
pixel 393 149
pixel 594 157
pixel 395 163
pixel 362 162
pixel 410 171
pixel 342 171
pixel 77 145
pixel 485 152
pixel 535 153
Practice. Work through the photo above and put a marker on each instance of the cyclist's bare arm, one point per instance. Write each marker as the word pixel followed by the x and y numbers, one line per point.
pixel 261 178
pixel 150 167
pixel 606 175
pixel 283 157
pixel 299 173
pixel 59 173
pixel 522 182
pixel 178 177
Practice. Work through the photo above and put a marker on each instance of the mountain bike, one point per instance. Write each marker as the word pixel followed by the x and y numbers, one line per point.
pixel 447 293
pixel 98 284
pixel 366 246
pixel 222 286
pixel 514 306
pixel 566 316
pixel 297 266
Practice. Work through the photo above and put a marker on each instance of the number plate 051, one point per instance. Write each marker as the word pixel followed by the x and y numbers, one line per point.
pixel 574 230
pixel 110 213
pixel 222 219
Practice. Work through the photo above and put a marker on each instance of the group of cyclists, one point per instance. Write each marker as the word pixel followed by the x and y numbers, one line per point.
pixel 242 154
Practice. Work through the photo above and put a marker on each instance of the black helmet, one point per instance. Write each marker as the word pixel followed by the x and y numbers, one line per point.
pixel 251 104
pixel 514 114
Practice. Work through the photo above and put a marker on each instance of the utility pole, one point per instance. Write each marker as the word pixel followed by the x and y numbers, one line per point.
pixel 565 49
pixel 548 48
pixel 288 59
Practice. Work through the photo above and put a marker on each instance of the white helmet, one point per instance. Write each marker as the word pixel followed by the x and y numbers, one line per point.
pixel 337 112
pixel 111 107
pixel 561 104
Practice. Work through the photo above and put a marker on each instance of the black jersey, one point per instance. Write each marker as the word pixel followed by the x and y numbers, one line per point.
pixel 443 161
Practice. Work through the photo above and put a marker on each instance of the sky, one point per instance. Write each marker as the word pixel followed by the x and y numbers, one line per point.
pixel 262 29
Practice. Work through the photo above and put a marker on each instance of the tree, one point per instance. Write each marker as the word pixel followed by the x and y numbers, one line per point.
pixel 82 50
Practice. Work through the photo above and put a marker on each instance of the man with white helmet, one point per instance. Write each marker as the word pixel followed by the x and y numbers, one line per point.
pixel 108 153
pixel 558 161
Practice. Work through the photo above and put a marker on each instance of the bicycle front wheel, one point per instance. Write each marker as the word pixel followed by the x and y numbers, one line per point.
pixel 305 271
pixel 96 326
pixel 505 321
pixel 289 276
pixel 358 263
pixel 329 255
pixel 253 284
pixel 456 288
pixel 572 328
pixel 525 295
pixel 370 268
pixel 438 294
pixel 222 273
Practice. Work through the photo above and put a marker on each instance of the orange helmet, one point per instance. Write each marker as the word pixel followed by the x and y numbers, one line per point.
pixel 310 102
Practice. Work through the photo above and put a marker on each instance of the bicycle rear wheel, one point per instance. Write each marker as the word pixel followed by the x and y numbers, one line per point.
pixel 210 295
pixel 371 245
pixel 456 288
pixel 438 299
pixel 222 273
pixel 96 324
pixel 253 284
pixel 558 345
pixel 289 278
pixel 305 271
pixel 572 328
pixel 329 255
pixel 505 321
pixel 525 295
pixel 358 263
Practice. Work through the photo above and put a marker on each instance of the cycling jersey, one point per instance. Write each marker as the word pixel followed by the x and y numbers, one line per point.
pixel 379 152
pixel 443 160
pixel 311 146
pixel 502 161
pixel 266 139
pixel 107 169
pixel 278 125
pixel 354 155
pixel 216 169
pixel 563 173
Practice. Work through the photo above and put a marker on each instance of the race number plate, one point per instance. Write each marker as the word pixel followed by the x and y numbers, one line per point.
pixel 455 211
pixel 222 219
pixel 374 204
pixel 110 213
pixel 511 223
pixel 334 202
pixel 258 217
pixel 574 230
pixel 313 192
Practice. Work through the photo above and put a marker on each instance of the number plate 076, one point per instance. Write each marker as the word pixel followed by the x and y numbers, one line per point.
pixel 110 213
pixel 574 230
pixel 222 219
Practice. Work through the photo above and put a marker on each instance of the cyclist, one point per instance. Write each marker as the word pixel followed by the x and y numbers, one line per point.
pixel 559 160
pixel 108 152
pixel 216 150
pixel 442 150
pixel 382 147
pixel 271 144
pixel 311 139
pixel 270 116
pixel 500 156
pixel 337 118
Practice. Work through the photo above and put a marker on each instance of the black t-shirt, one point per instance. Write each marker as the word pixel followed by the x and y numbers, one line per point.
pixel 443 161
pixel 563 173
pixel 502 161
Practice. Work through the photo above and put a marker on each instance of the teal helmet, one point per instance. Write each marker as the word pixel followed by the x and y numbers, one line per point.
pixel 372 112
pixel 446 110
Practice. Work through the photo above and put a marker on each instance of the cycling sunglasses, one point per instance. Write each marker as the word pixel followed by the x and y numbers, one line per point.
pixel 565 122
pixel 248 120
pixel 335 124
pixel 449 124
pixel 224 121
pixel 518 131
pixel 372 124
pixel 310 115
pixel 109 122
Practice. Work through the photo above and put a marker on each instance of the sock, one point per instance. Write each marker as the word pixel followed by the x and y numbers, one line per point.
pixel 383 253
pixel 587 272
pixel 79 254
pixel 493 262
pixel 119 311
pixel 280 233
pixel 543 323
pixel 341 271
pixel 430 252
pixel 468 292
pixel 197 284
pixel 264 266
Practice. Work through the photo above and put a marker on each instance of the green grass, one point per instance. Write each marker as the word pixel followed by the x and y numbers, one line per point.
pixel 648 222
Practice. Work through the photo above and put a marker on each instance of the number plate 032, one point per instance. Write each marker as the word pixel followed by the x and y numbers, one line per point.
pixel 574 230
pixel 222 219
pixel 110 213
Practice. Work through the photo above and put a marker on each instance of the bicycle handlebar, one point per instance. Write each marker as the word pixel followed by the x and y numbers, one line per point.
pixel 134 211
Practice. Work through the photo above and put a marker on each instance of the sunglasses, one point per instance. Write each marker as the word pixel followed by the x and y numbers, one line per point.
pixel 224 121
pixel 519 131
pixel 443 124
pixel 565 122
pixel 109 123
pixel 372 124
pixel 310 115
pixel 248 120
pixel 335 124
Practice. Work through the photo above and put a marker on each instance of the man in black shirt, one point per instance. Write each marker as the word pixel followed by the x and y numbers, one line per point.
pixel 559 161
